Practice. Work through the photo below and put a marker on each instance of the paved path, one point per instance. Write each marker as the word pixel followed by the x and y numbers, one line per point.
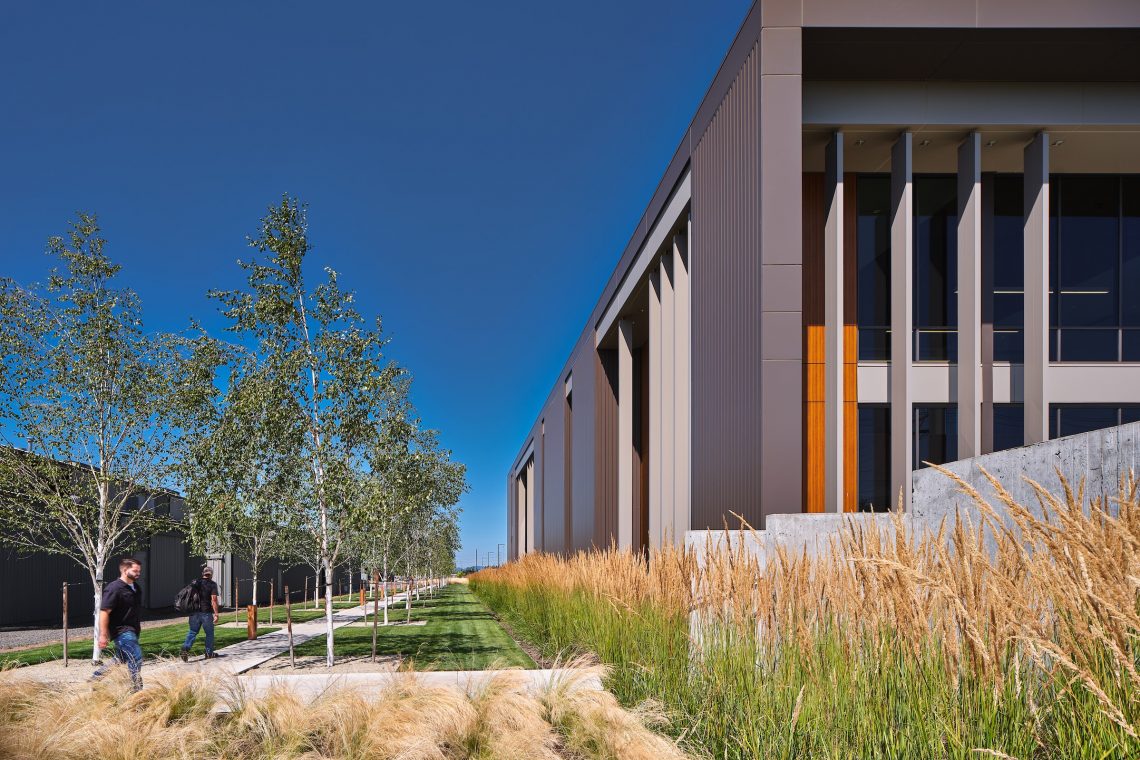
pixel 311 686
pixel 240 657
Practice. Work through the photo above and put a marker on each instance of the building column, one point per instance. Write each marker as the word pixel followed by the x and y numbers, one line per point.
pixel 781 272
pixel 625 505
pixel 530 527
pixel 681 401
pixel 902 258
pixel 987 332
pixel 1036 289
pixel 655 469
pixel 969 296
pixel 668 384
pixel 520 513
pixel 833 327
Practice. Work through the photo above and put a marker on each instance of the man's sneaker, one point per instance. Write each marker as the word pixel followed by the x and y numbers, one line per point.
pixel 185 654
pixel 212 655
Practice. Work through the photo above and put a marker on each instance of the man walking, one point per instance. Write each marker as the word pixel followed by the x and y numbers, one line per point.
pixel 205 615
pixel 119 619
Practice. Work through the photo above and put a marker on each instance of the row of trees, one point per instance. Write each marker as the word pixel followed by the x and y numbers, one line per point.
pixel 293 438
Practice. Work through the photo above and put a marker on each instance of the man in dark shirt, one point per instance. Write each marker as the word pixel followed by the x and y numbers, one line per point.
pixel 119 619
pixel 205 616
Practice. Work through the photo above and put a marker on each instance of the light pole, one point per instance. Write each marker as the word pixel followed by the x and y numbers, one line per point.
pixel 499 557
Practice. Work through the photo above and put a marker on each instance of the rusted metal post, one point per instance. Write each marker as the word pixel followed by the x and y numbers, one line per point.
pixel 289 628
pixel 271 602
pixel 65 625
pixel 235 599
pixel 306 599
pixel 375 612
pixel 251 622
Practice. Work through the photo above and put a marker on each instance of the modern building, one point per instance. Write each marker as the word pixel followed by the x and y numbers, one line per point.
pixel 894 232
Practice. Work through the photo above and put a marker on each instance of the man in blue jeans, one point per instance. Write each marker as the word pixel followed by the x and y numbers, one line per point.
pixel 119 619
pixel 205 616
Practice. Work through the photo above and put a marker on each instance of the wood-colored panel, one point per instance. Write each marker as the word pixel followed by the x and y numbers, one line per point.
pixel 814 438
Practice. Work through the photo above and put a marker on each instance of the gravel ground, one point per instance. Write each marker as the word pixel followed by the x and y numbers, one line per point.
pixel 34 637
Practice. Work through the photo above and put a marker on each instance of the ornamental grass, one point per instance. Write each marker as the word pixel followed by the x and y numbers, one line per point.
pixel 1012 635
pixel 176 716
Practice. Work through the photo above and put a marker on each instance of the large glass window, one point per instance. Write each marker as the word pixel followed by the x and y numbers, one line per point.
pixel 1073 419
pixel 935 434
pixel 935 268
pixel 873 256
pixel 1094 269
pixel 1008 294
pixel 874 458
pixel 1009 426
pixel 1130 268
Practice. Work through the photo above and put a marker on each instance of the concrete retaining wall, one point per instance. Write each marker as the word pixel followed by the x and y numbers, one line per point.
pixel 1100 458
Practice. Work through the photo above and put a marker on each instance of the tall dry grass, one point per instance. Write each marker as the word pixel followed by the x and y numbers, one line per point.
pixel 174 717
pixel 1012 635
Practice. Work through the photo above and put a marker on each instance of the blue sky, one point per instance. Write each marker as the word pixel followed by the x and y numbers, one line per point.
pixel 473 170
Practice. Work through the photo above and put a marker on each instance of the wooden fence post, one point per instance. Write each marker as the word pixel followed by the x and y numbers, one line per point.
pixel 65 625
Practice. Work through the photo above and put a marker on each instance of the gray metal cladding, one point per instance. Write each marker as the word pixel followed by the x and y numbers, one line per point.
pixel 605 448
pixel 726 308
pixel 551 447
pixel 582 463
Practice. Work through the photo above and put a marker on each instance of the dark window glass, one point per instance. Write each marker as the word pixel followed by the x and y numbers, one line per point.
pixel 935 435
pixel 1009 426
pixel 1129 413
pixel 1088 268
pixel 1089 345
pixel 873 256
pixel 1072 419
pixel 1130 345
pixel 1130 254
pixel 1008 302
pixel 935 268
pixel 874 457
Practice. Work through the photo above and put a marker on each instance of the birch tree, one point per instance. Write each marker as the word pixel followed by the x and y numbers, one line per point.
pixel 241 474
pixel 94 406
pixel 329 365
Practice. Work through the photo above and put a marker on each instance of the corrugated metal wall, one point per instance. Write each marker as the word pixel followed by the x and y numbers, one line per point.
pixel 726 308
pixel 605 448
pixel 553 494
pixel 584 465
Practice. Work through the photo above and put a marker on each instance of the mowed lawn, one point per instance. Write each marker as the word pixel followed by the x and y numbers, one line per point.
pixel 459 634
pixel 161 641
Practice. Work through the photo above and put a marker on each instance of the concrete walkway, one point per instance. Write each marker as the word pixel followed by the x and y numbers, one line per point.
pixel 240 657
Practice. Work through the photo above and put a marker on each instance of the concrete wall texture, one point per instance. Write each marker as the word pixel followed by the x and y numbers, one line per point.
pixel 1098 459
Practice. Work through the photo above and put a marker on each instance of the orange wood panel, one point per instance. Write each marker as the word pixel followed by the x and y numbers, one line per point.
pixel 813 348
pixel 850 348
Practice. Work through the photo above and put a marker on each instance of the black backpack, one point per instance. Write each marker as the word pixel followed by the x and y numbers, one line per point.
pixel 189 599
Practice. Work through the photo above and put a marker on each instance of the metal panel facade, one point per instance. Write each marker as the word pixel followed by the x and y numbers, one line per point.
pixel 726 430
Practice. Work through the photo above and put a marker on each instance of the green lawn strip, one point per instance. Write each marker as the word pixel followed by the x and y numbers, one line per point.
pixel 162 641
pixel 460 634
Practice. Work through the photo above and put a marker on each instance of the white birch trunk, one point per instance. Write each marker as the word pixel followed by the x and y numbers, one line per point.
pixel 328 618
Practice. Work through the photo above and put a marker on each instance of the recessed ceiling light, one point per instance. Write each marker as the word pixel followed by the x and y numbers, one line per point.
pixel 924 143
pixel 859 143
pixel 991 143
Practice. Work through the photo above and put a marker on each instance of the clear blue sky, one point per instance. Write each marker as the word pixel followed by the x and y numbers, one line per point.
pixel 473 170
